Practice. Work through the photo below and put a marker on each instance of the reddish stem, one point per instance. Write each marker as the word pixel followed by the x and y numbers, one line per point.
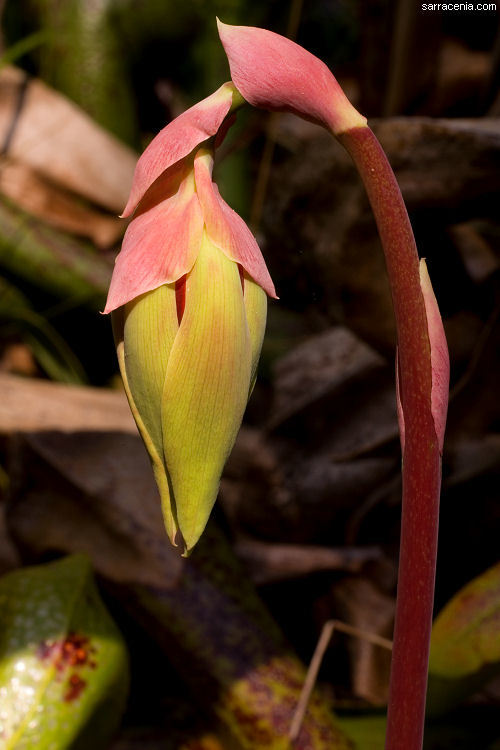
pixel 421 457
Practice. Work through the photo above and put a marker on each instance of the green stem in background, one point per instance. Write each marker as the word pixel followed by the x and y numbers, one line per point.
pixel 421 453
pixel 54 261
pixel 84 59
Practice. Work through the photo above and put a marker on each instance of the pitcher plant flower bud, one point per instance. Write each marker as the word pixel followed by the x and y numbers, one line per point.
pixel 188 296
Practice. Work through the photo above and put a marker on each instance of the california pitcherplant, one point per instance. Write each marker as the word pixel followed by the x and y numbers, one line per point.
pixel 188 295
pixel 190 286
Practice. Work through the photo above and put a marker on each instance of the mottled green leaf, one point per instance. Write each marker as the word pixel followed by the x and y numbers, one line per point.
pixel 63 663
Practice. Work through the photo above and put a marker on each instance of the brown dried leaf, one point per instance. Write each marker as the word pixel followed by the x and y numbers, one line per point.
pixel 321 238
pixel 476 252
pixel 57 139
pixel 90 482
pixel 34 194
pixel 269 563
pixel 358 602
pixel 322 365
pixel 335 391
pixel 307 501
pixel 38 405
pixel 470 457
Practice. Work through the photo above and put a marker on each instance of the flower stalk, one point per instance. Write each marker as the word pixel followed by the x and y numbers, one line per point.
pixel 421 446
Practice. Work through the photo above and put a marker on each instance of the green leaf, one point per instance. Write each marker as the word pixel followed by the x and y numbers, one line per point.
pixel 63 663
pixel 54 261
pixel 367 731
pixel 86 59
pixel 23 46
pixel 48 347
pixel 465 643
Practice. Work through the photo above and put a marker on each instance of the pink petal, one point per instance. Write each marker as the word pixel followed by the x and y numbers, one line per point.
pixel 272 72
pixel 160 244
pixel 178 139
pixel 440 361
pixel 226 229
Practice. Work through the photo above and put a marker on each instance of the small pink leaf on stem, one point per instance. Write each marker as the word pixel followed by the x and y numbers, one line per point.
pixel 272 72
pixel 440 361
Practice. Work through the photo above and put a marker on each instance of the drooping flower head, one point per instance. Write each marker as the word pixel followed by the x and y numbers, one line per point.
pixel 171 209
pixel 189 299
pixel 272 72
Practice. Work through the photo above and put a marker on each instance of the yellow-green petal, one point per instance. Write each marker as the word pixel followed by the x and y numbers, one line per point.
pixel 206 387
pixel 150 327
pixel 255 300
pixel 155 450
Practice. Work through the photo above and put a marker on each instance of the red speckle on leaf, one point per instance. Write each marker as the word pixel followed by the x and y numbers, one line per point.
pixel 75 687
pixel 46 649
pixel 74 651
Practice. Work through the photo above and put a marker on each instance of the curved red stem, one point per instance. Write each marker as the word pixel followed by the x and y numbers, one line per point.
pixel 421 458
